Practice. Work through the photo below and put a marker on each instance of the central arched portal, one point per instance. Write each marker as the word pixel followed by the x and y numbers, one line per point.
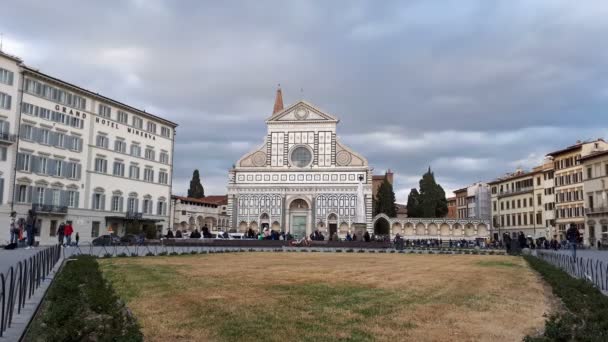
pixel 382 226
pixel 298 217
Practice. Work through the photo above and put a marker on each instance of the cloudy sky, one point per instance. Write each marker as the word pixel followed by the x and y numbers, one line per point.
pixel 472 88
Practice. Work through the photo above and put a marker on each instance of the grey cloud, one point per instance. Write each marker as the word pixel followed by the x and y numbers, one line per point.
pixel 415 83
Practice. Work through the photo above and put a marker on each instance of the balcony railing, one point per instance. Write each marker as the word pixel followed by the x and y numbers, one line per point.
pixel 7 139
pixel 598 210
pixel 516 191
pixel 49 209
pixel 133 215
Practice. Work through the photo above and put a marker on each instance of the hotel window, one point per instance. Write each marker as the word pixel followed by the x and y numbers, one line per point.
pixel 165 131
pixel 163 178
pixel 502 205
pixel 138 122
pixel 72 199
pixel 164 157
pixel 102 141
pixel 134 172
pixel 39 198
pixel 5 101
pixel 132 204
pixel 122 117
pixel 43 136
pixel 58 140
pixel 539 218
pixel 6 77
pixel 23 193
pixel 105 111
pixel 589 173
pixel 57 170
pixel 24 162
pixel 101 165
pixel 27 132
pixel 147 205
pixel 148 175
pixel 539 199
pixel 42 165
pixel 99 200
pixel 73 171
pixel 151 127
pixel 120 146
pixel 56 197
pixel 75 143
pixel 135 150
pixel 3 151
pixel 117 203
pixel 119 169
pixel 149 154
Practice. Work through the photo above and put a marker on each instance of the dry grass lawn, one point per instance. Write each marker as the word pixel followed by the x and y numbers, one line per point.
pixel 331 297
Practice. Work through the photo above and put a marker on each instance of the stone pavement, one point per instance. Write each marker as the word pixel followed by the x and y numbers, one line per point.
pixel 10 258
pixel 20 321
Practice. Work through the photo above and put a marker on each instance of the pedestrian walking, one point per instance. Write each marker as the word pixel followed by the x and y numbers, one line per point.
pixel 68 233
pixel 30 228
pixel 573 235
pixel 61 233
pixel 14 228
pixel 77 238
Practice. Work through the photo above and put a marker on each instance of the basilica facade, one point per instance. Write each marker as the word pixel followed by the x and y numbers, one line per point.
pixel 301 178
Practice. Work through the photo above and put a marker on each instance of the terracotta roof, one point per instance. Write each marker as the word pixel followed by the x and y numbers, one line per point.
pixel 215 200
pixel 572 148
pixel 460 190
pixel 278 102
pixel 595 154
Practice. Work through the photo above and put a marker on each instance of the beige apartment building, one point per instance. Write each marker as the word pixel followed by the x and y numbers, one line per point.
pixel 569 182
pixel 595 183
pixel 517 204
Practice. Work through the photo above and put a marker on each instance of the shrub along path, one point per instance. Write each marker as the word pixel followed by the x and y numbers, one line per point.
pixel 586 314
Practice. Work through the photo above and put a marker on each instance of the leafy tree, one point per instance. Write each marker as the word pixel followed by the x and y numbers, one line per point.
pixel 385 200
pixel 196 188
pixel 413 203
pixel 430 201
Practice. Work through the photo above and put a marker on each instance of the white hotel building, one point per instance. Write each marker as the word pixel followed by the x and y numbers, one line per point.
pixel 80 157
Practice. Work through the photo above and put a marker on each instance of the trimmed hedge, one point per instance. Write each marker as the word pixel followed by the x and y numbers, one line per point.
pixel 586 317
pixel 82 306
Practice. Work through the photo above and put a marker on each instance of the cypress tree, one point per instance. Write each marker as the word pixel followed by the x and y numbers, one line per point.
pixel 196 188
pixel 413 203
pixel 431 201
pixel 385 200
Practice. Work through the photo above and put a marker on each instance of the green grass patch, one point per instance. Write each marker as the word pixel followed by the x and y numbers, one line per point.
pixel 496 263
pixel 586 314
pixel 82 306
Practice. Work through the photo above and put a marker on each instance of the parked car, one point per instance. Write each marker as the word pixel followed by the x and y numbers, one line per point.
pixel 106 240
pixel 132 239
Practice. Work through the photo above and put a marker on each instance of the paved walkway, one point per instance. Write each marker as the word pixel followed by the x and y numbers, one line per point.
pixel 10 258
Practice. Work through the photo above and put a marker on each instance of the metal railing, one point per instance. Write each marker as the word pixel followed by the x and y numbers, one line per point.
pixel 7 137
pixel 592 270
pixel 21 282
pixel 49 208
pixel 596 210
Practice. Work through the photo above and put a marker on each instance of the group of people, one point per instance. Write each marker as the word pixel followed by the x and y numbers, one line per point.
pixel 196 234
pixel 23 230
pixel 573 238
pixel 64 234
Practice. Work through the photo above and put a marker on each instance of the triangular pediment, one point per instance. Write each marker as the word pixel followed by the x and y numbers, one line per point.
pixel 302 111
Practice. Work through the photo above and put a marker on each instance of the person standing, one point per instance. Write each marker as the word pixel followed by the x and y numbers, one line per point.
pixel 60 233
pixel 77 238
pixel 30 228
pixel 68 230
pixel 573 235
pixel 14 228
